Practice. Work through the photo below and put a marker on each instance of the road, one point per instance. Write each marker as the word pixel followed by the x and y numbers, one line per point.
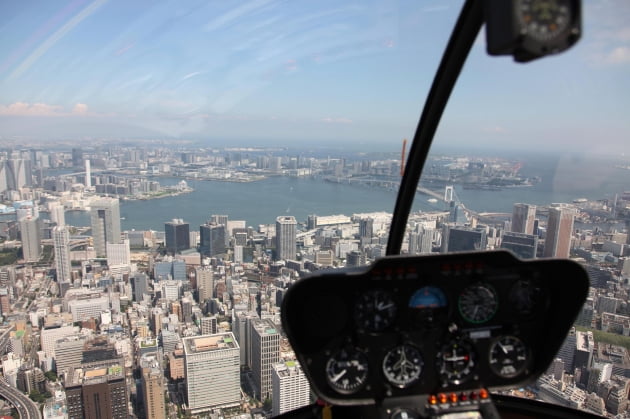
pixel 25 406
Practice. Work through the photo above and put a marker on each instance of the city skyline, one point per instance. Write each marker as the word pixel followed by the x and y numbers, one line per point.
pixel 259 72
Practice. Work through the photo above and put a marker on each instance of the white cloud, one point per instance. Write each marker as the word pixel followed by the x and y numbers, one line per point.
pixel 618 55
pixel 42 109
pixel 80 109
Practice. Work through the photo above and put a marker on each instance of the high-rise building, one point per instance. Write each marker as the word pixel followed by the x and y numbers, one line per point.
pixel 97 390
pixel 523 217
pixel 208 325
pixel 176 235
pixel 139 286
pixel 205 283
pixel 366 227
pixel 212 372
pixel 212 239
pixel 88 174
pixel 219 219
pixel 461 239
pixel 18 174
pixel 153 392
pixel 240 326
pixel 61 247
pixel 31 239
pixel 290 387
pixel 523 245
pixel 105 217
pixel 57 213
pixel 286 237
pixel 265 351
pixel 559 232
pixel 118 254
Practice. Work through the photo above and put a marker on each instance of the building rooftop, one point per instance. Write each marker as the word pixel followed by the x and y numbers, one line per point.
pixel 95 372
pixel 208 343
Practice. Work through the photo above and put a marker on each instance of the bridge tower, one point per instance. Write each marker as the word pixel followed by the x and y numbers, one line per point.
pixel 448 193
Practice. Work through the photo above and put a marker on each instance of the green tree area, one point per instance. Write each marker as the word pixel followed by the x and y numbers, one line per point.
pixel 38 397
pixel 8 256
pixel 607 337
pixel 51 375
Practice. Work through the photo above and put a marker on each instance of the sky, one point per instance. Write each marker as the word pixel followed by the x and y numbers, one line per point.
pixel 299 71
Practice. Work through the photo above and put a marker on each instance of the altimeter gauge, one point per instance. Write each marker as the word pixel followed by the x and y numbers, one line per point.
pixel 402 365
pixel 478 303
pixel 375 310
pixel 508 356
pixel 347 370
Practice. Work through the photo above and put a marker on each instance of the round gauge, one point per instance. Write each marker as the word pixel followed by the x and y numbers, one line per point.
pixel 526 297
pixel 375 310
pixel 402 366
pixel 456 362
pixel 347 371
pixel 543 20
pixel 478 303
pixel 428 297
pixel 508 356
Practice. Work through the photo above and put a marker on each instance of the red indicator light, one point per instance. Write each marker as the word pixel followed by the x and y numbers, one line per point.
pixel 473 395
pixel 452 397
pixel 442 398
pixel 433 399
pixel 463 397
pixel 483 394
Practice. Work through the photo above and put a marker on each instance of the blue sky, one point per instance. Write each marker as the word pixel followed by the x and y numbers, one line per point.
pixel 262 70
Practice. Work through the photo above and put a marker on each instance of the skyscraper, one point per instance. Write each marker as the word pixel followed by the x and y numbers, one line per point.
pixel 523 217
pixel 177 235
pixel 105 217
pixel 153 392
pixel 61 246
pixel 523 245
pixel 559 232
pixel 290 387
pixel 265 350
pixel 88 174
pixel 285 237
pixel 57 213
pixel 212 372
pixel 462 239
pixel 212 239
pixel 31 239
pixel 205 283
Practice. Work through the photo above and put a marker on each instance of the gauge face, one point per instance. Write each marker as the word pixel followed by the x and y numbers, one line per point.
pixel 347 371
pixel 478 303
pixel 428 297
pixel 508 356
pixel 527 297
pixel 456 362
pixel 543 20
pixel 375 310
pixel 402 366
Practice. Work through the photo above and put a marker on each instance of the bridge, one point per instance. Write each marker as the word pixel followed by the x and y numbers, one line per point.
pixel 26 408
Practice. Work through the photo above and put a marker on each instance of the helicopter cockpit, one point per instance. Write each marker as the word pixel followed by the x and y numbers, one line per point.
pixel 434 336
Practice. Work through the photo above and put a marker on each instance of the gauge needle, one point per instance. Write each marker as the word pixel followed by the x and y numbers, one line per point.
pixel 381 306
pixel 338 376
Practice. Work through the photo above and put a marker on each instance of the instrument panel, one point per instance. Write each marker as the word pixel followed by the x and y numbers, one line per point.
pixel 409 326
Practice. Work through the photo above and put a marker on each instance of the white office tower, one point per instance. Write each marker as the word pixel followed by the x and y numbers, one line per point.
pixel 57 213
pixel 61 246
pixel 238 254
pixel 205 283
pixel 290 387
pixel 105 216
pixel 286 237
pixel 265 351
pixel 212 371
pixel 49 337
pixel 88 174
pixel 31 239
pixel 119 256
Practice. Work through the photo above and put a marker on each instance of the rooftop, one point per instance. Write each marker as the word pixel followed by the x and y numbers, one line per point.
pixel 208 343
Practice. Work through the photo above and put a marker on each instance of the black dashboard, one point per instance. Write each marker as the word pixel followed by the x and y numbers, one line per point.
pixel 431 334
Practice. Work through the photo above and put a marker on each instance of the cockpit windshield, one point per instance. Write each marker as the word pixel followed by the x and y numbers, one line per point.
pixel 169 170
